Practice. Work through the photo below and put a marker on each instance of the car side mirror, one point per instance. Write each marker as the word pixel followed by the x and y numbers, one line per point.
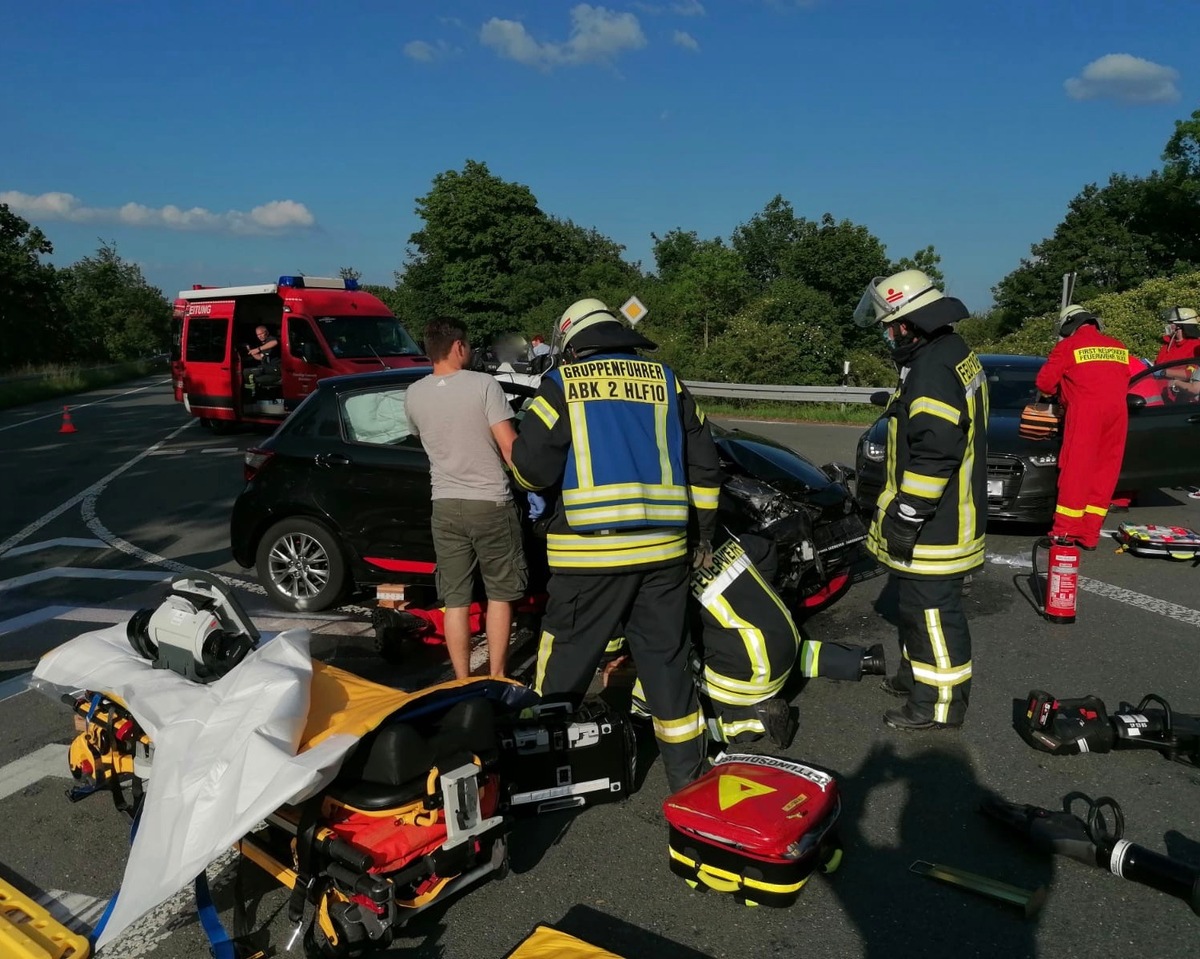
pixel 880 398
pixel 1134 401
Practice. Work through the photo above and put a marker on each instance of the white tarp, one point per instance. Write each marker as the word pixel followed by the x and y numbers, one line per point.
pixel 225 753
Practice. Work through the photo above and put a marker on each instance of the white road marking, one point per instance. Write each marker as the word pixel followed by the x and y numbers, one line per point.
pixel 73 408
pixel 76 911
pixel 80 572
pixel 78 541
pixel 25 620
pixel 20 773
pixel 15 686
pixel 168 452
pixel 222 449
pixel 1150 604
pixel 78 498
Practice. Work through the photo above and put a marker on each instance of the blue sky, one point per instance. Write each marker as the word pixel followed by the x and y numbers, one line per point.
pixel 227 143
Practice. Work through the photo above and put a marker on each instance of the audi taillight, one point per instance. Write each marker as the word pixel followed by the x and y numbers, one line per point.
pixel 255 460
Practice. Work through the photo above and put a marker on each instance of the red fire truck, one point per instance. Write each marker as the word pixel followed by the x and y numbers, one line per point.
pixel 323 327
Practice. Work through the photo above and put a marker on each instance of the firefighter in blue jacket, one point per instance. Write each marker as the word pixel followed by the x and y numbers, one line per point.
pixel 928 528
pixel 636 467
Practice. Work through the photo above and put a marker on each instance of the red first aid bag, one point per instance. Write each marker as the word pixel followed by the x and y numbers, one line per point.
pixel 756 827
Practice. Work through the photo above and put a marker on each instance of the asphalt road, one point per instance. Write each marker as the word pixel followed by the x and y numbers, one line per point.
pixel 92 522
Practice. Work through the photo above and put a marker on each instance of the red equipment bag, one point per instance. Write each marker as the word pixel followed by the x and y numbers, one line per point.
pixel 755 826
pixel 1166 542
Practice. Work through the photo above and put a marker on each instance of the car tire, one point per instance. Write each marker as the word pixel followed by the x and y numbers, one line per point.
pixel 300 565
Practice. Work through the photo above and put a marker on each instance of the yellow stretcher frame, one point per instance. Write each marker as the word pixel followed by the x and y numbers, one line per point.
pixel 28 931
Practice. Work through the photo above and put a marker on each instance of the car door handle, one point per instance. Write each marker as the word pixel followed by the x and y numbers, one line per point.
pixel 332 459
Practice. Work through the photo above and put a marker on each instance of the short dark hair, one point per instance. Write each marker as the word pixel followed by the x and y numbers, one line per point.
pixel 441 334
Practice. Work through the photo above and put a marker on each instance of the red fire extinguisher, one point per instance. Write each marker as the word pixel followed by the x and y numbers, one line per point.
pixel 1062 579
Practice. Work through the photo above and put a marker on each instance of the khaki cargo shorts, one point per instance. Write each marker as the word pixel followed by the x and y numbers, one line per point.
pixel 473 534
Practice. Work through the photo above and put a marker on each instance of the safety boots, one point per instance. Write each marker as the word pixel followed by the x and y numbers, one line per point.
pixel 873 663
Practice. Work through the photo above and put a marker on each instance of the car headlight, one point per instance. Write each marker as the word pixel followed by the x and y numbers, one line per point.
pixel 872 450
pixel 1044 459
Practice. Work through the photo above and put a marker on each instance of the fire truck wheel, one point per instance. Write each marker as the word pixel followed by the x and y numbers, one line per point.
pixel 301 565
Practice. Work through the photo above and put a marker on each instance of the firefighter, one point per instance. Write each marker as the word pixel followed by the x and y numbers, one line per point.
pixel 1181 341
pixel 928 527
pixel 1090 373
pixel 746 645
pixel 635 464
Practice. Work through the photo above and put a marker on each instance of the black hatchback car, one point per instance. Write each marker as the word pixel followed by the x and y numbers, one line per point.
pixel 1162 449
pixel 339 497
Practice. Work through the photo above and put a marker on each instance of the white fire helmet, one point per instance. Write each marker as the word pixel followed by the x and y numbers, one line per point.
pixel 891 298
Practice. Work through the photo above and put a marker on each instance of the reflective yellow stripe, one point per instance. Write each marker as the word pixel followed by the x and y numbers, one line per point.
pixel 618 491
pixel 679 730
pixel 935 676
pixel 1100 511
pixel 735 692
pixel 752 638
pixel 730 730
pixel 743 881
pixel 613 552
pixel 920 484
pixel 664 446
pixel 521 480
pixel 933 625
pixel 927 404
pixel 580 445
pixel 545 645
pixel 810 658
pixel 1067 511
pixel 597 515
pixel 966 471
pixel 545 412
pixel 615 645
pixel 704 497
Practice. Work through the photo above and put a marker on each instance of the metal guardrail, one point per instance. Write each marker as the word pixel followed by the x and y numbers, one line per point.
pixel 66 370
pixel 794 394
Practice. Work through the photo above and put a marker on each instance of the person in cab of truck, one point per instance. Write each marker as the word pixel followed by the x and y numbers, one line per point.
pixel 623 441
pixel 746 646
pixel 1089 371
pixel 464 422
pixel 929 522
pixel 264 349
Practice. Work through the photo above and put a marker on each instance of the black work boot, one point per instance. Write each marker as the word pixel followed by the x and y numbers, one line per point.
pixel 776 717
pixel 873 663
pixel 906 720
pixel 890 686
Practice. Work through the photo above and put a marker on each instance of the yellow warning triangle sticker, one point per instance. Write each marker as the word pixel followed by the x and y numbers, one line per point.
pixel 731 790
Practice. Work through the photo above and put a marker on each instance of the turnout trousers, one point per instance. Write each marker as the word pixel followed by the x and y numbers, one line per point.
pixel 935 648
pixel 584 612
pixel 1089 464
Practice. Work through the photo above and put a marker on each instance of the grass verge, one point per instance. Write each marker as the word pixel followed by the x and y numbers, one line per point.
pixel 837 413
pixel 32 384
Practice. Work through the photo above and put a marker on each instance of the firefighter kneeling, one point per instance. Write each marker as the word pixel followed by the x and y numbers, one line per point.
pixel 746 645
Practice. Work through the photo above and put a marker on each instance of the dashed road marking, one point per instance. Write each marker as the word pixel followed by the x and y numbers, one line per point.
pixel 78 498
pixel 80 572
pixel 76 541
pixel 1150 604
pixel 24 772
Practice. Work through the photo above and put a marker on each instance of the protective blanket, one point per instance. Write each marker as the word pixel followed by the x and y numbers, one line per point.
pixel 225 753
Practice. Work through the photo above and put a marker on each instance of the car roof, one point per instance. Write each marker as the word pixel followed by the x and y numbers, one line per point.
pixel 1012 360
pixel 358 381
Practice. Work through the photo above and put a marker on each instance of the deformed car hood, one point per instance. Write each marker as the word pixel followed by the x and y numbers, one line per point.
pixel 774 463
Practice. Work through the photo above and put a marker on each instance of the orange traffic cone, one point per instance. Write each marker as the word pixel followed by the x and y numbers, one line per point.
pixel 67 425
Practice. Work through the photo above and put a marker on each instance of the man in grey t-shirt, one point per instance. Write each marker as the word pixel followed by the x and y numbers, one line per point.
pixel 465 424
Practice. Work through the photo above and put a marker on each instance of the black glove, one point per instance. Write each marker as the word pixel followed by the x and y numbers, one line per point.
pixel 900 527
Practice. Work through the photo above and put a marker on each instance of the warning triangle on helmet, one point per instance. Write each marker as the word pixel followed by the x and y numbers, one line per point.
pixel 731 790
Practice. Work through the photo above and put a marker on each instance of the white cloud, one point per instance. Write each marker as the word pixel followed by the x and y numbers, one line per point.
pixel 685 40
pixel 1128 79
pixel 597 36
pixel 424 52
pixel 681 8
pixel 278 216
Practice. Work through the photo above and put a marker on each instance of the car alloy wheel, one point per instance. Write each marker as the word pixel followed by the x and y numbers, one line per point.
pixel 300 565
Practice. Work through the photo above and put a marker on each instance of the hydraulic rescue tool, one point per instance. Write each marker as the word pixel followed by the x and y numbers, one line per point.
pixel 1090 842
pixel 1066 727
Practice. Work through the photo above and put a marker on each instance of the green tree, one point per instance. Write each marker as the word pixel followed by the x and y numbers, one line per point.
pixel 31 328
pixel 114 313
pixel 349 273
pixel 927 260
pixel 767 239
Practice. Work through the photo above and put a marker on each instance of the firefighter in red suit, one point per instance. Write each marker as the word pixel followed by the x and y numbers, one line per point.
pixel 1181 341
pixel 1090 373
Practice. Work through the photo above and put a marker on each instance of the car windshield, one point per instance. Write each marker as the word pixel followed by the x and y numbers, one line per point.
pixel 358 337
pixel 1011 387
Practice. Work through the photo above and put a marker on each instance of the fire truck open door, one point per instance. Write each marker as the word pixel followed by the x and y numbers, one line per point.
pixel 212 363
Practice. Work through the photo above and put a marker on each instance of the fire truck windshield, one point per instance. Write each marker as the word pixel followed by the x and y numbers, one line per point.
pixel 357 337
